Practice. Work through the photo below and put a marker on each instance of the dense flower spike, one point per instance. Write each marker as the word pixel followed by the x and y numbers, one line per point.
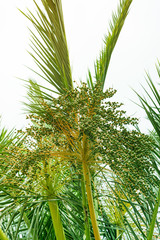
pixel 59 132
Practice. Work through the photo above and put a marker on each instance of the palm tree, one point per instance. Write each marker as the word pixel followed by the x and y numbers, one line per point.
pixel 52 57
pixel 50 53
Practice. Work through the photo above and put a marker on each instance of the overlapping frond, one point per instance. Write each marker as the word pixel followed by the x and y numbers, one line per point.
pixel 7 137
pixel 36 96
pixel 132 215
pixel 118 19
pixel 151 105
pixel 49 44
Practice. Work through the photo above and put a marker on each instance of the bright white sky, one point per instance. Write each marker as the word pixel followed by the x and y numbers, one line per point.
pixel 86 21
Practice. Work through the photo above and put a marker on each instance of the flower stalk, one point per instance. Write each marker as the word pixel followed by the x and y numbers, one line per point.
pixel 56 220
pixel 85 210
pixel 86 174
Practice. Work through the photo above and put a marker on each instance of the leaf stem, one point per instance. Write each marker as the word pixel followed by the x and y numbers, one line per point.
pixel 90 201
pixel 154 216
pixel 86 174
pixel 85 210
pixel 56 220
pixel 3 236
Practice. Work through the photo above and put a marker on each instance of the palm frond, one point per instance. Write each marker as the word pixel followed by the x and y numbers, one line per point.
pixel 118 19
pixel 6 138
pixel 49 44
pixel 135 213
pixel 28 217
pixel 151 105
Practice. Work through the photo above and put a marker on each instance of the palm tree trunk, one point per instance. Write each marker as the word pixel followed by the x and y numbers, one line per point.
pixel 56 220
pixel 3 236
pixel 154 216
pixel 85 210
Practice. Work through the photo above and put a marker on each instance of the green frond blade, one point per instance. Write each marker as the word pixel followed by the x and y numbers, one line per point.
pixel 49 44
pixel 118 19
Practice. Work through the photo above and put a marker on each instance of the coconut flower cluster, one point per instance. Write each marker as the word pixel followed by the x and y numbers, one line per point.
pixel 112 138
pixel 55 138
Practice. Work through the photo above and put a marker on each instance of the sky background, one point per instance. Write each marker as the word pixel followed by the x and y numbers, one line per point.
pixel 86 22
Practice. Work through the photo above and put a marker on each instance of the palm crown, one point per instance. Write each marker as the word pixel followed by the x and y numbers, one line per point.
pixel 75 139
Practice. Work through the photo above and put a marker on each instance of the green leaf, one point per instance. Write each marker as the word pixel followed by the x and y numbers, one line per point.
pixel 118 19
